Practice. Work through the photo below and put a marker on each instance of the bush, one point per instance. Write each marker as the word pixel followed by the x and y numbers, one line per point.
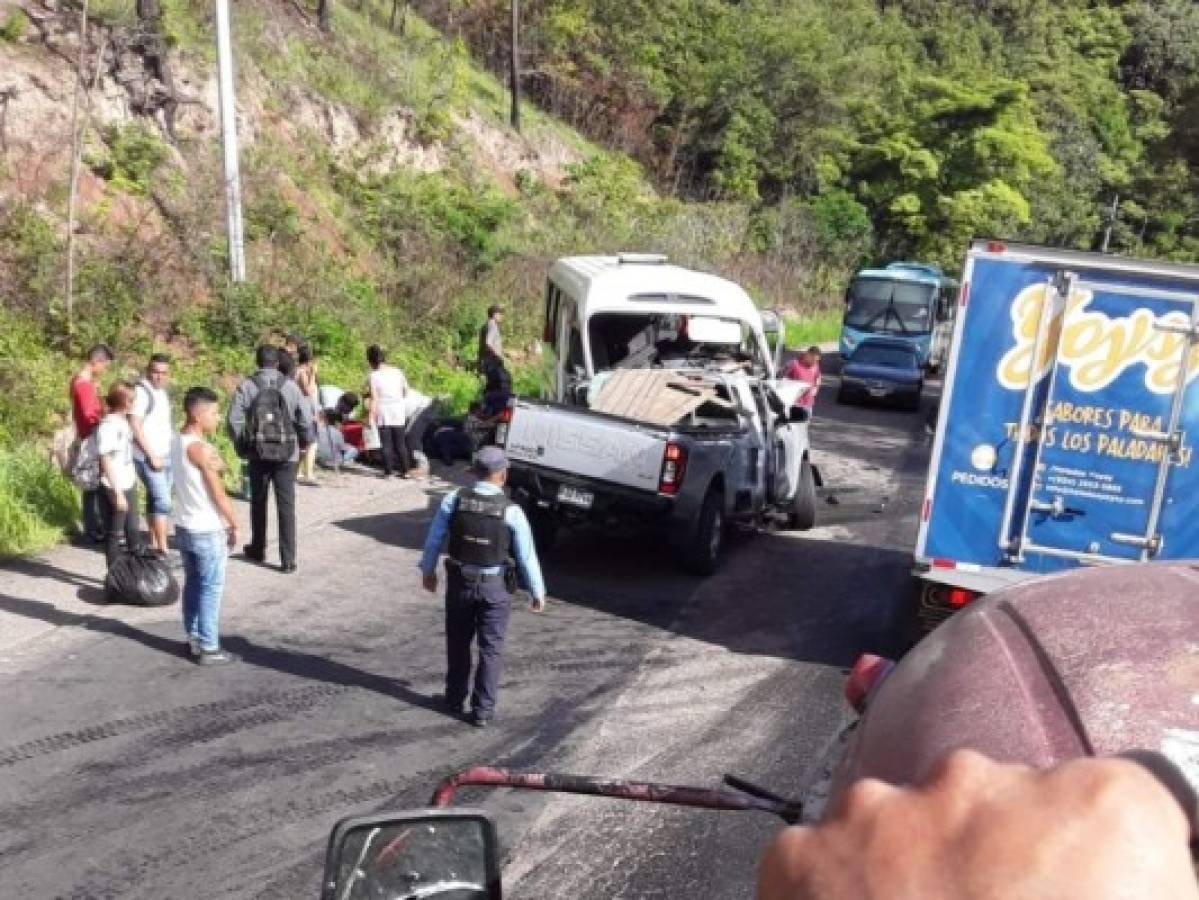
pixel 38 506
pixel 33 381
pixel 14 26
pixel 133 155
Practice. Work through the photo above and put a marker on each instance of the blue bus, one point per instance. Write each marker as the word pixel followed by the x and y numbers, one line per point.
pixel 912 302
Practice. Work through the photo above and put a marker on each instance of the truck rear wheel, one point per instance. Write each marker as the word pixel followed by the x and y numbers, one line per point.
pixel 702 555
pixel 803 505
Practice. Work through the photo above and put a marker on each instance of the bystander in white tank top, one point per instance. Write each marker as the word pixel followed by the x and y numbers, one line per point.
pixel 194 509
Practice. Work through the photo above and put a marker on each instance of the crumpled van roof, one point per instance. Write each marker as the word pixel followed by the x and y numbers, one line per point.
pixel 608 284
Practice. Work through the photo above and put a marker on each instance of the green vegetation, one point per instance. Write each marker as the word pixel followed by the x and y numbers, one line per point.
pixel 781 144
pixel 820 329
pixel 935 121
pixel 38 507
pixel 14 27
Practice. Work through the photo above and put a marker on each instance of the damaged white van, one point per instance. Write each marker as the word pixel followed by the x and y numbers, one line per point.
pixel 663 410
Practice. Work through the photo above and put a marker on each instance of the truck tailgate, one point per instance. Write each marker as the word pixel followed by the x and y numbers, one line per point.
pixel 580 442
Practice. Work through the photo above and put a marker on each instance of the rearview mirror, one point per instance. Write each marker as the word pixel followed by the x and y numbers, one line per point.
pixel 432 853
pixel 772 324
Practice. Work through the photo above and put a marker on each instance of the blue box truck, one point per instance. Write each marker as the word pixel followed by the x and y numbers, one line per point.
pixel 1067 425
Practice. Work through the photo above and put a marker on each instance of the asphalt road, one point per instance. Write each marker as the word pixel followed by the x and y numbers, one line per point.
pixel 126 771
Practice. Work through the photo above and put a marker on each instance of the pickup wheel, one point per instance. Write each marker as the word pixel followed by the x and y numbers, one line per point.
pixel 702 555
pixel 803 506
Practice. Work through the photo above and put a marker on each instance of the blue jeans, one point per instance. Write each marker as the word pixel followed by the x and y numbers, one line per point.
pixel 158 488
pixel 204 556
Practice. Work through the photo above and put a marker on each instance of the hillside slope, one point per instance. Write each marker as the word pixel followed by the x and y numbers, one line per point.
pixel 937 120
pixel 386 200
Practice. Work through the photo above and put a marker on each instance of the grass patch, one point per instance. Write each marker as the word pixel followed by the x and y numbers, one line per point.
pixel 819 329
pixel 38 506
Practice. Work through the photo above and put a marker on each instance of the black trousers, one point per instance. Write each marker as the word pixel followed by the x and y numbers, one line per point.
pixel 119 523
pixel 414 431
pixel 395 449
pixel 283 476
pixel 475 610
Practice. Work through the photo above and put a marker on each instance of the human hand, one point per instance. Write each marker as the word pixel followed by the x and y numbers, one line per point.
pixel 155 462
pixel 980 830
pixel 537 604
pixel 430 582
pixel 231 537
pixel 119 502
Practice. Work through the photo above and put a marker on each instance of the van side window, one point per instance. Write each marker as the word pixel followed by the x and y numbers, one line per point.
pixel 553 308
pixel 574 357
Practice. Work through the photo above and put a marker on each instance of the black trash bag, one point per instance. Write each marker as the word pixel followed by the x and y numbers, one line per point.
pixel 141 579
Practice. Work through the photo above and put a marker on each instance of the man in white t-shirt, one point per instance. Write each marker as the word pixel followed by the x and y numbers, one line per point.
pixel 150 421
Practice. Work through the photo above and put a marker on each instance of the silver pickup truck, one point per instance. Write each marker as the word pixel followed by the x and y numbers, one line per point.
pixel 664 411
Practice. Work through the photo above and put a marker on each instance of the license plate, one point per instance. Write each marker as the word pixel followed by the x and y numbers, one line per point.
pixel 879 392
pixel 575 496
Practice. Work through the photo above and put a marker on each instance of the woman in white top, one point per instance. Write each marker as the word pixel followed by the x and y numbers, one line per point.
pixel 118 478
pixel 389 413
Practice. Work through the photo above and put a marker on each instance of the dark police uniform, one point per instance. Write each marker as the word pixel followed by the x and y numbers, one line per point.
pixel 477 600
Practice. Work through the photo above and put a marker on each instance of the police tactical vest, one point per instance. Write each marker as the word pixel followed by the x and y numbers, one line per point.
pixel 478 534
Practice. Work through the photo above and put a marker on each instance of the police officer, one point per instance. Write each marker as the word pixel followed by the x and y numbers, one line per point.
pixel 485 529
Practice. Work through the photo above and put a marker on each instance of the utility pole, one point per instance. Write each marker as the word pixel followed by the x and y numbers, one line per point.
pixel 73 187
pixel 1111 221
pixel 514 62
pixel 228 105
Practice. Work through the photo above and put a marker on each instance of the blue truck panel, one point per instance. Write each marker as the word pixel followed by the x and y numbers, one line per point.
pixel 1098 477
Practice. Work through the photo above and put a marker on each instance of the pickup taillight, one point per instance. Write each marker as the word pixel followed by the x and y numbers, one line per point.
pixel 501 425
pixel 674 467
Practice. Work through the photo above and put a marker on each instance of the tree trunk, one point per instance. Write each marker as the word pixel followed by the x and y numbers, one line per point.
pixel 322 14
pixel 514 64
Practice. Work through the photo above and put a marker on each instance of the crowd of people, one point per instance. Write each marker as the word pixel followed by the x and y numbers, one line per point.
pixel 285 425
pixel 990 829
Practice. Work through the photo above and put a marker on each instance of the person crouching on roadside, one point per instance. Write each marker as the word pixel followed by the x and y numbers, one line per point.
pixel 118 478
pixel 205 528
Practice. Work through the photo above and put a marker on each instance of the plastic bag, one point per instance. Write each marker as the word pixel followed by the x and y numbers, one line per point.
pixel 141 580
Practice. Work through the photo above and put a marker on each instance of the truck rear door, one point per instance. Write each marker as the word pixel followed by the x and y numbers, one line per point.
pixel 1099 439
pixel 586 444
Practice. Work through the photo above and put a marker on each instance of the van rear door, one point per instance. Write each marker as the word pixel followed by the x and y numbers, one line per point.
pixel 1100 437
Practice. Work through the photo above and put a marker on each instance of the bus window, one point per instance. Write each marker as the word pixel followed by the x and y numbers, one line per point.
pixel 884 306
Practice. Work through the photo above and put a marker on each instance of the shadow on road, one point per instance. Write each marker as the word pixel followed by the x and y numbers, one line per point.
pixel 795 598
pixel 401 529
pixel 299 664
pixel 295 663
pixel 36 568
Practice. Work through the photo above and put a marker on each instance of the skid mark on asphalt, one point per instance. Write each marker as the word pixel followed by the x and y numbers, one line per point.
pixel 167 718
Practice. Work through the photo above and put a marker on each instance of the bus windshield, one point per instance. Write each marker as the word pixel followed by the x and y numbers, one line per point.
pixel 883 306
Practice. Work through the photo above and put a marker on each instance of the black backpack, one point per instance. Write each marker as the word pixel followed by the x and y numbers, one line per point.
pixel 270 434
